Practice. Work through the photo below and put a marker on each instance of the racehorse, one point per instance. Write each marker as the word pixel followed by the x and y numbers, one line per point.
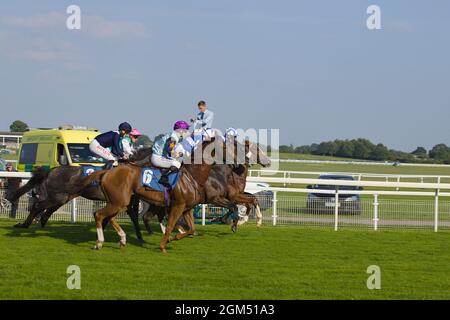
pixel 225 187
pixel 52 191
pixel 120 183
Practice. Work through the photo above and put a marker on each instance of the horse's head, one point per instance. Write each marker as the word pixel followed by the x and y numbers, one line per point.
pixel 255 155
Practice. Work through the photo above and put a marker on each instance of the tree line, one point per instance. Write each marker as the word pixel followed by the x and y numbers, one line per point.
pixel 364 149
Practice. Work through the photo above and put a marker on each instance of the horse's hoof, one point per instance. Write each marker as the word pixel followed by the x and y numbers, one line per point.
pixel 195 233
pixel 20 225
pixel 140 241
pixel 122 244
pixel 163 250
pixel 233 228
pixel 98 246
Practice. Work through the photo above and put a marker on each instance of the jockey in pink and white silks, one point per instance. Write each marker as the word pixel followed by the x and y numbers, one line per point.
pixel 128 141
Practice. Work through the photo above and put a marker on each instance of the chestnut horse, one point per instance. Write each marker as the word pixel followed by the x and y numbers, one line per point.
pixel 225 187
pixel 122 182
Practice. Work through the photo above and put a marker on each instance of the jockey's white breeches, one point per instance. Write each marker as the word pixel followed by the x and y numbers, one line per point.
pixel 102 152
pixel 162 162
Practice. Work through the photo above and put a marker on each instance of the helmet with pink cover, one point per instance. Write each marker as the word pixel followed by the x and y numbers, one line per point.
pixel 135 132
pixel 181 125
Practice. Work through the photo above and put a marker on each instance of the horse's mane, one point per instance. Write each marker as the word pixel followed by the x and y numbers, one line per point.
pixel 141 154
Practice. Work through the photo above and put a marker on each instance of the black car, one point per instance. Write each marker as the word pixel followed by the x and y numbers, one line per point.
pixel 325 203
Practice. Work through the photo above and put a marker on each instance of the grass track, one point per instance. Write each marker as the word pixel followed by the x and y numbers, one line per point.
pixel 267 263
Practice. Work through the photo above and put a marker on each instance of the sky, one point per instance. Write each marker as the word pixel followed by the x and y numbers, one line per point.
pixel 309 68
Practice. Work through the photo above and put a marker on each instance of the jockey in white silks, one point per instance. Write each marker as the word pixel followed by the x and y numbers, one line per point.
pixel 107 145
pixel 163 150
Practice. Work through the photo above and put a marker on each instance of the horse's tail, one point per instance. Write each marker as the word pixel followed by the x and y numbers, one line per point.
pixel 78 186
pixel 38 177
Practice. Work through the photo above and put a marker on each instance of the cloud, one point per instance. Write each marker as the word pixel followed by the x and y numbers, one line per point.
pixel 39 49
pixel 399 26
pixel 99 27
pixel 46 20
pixel 91 26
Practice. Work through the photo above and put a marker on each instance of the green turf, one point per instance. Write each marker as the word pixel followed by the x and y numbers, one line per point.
pixel 267 263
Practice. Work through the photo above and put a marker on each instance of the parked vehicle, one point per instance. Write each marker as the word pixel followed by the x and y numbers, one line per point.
pixel 325 203
pixel 6 151
pixel 50 148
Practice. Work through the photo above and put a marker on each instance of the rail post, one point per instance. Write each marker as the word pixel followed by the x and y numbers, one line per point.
pixel 398 180
pixel 375 212
pixel 336 209
pixel 203 214
pixel 274 208
pixel 436 210
pixel 73 211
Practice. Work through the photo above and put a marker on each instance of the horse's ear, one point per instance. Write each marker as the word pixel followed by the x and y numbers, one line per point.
pixel 239 169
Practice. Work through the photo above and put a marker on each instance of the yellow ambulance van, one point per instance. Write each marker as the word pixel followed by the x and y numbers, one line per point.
pixel 50 148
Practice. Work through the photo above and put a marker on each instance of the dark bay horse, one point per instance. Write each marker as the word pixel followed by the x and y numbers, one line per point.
pixel 225 187
pixel 52 191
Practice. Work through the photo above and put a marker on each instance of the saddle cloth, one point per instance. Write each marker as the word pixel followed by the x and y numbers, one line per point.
pixel 87 170
pixel 150 178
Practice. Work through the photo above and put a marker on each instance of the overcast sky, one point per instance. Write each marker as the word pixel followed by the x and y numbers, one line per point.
pixel 310 68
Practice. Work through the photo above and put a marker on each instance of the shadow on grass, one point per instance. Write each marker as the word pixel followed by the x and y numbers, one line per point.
pixel 85 233
pixel 77 233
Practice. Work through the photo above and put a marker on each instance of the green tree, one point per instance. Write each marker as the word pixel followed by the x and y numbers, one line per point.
pixel 380 153
pixel 440 152
pixel 363 148
pixel 287 149
pixel 18 126
pixel 420 152
pixel 345 149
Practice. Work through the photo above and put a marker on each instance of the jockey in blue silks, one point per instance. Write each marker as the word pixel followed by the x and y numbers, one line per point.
pixel 205 117
pixel 230 133
pixel 111 139
pixel 163 150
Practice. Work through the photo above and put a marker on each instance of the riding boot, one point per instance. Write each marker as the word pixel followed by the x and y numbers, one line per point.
pixel 164 180
pixel 109 165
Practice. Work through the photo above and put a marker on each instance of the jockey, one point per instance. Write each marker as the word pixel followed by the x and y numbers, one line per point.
pixel 230 133
pixel 163 150
pixel 205 117
pixel 128 141
pixel 111 139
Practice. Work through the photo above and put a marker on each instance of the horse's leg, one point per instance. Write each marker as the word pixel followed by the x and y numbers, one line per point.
pixel 258 216
pixel 146 218
pixel 132 211
pixel 191 222
pixel 189 232
pixel 47 214
pixel 37 207
pixel 120 232
pixel 108 211
pixel 175 214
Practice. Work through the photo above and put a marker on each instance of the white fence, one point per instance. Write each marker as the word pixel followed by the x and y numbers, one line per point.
pixel 287 175
pixel 428 208
pixel 364 163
